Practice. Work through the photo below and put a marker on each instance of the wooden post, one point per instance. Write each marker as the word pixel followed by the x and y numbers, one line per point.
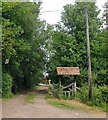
pixel 65 93
pixel 75 83
pixel 75 86
pixel 69 94
pixel 49 82
pixel 59 81
pixel 72 89
pixel 88 57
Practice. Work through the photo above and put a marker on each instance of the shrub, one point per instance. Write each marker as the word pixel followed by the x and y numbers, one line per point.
pixel 55 91
pixel 83 94
pixel 99 96
pixel 104 92
pixel 96 97
pixel 6 85
pixel 101 77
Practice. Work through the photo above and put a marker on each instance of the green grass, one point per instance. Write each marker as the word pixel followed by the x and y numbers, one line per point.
pixel 104 107
pixel 8 98
pixel 60 104
pixel 30 98
pixel 72 104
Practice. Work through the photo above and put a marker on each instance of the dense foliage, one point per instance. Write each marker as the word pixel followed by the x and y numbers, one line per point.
pixel 69 44
pixel 99 97
pixel 23 39
pixel 6 85
pixel 69 49
pixel 31 47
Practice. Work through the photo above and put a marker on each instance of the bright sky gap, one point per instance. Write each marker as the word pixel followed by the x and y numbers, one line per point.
pixel 51 9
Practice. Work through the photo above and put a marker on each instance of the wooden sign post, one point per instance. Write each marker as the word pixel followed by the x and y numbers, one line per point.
pixel 68 71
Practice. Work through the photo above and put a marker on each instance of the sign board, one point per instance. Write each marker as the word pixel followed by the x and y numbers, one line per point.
pixel 68 71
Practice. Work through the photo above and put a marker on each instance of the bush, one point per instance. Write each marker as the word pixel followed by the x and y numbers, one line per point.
pixel 83 94
pixel 6 85
pixel 96 97
pixel 55 91
pixel 104 93
pixel 101 77
pixel 99 96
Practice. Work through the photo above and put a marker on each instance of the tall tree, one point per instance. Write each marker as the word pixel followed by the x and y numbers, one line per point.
pixel 69 41
pixel 22 43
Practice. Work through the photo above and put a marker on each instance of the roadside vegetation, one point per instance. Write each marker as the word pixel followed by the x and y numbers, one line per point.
pixel 73 105
pixel 23 54
pixel 30 47
pixel 69 49
pixel 99 97
pixel 98 101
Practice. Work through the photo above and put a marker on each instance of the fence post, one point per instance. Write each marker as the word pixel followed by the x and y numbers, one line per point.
pixel 75 86
pixel 59 81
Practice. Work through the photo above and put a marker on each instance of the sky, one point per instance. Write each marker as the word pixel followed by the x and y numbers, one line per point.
pixel 57 7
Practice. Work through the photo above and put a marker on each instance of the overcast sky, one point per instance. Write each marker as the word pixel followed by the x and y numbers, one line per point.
pixel 52 5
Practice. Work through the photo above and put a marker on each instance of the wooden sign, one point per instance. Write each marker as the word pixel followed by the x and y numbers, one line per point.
pixel 68 71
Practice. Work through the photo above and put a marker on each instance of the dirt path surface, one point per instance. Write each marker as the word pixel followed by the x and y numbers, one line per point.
pixel 18 108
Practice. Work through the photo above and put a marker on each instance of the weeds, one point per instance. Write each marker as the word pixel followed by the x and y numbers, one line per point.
pixel 72 104
pixel 30 98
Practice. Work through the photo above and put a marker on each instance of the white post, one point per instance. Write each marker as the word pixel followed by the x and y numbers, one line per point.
pixel 49 81
pixel 75 86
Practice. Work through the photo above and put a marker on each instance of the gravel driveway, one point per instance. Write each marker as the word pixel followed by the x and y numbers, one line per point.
pixel 18 108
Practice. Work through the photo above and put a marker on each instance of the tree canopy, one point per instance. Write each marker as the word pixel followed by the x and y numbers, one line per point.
pixel 31 46
pixel 23 37
pixel 69 43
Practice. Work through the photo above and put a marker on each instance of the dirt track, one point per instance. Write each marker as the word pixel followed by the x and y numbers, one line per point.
pixel 18 108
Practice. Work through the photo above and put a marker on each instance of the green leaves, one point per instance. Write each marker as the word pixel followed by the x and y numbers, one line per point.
pixel 69 42
pixel 10 32
pixel 23 39
pixel 6 85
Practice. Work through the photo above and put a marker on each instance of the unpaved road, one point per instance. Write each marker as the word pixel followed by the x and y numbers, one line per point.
pixel 18 108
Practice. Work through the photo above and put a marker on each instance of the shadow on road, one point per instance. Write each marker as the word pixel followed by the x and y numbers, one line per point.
pixel 42 90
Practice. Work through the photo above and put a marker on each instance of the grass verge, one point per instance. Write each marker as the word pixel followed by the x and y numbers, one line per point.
pixel 30 98
pixel 72 104
pixel 9 98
